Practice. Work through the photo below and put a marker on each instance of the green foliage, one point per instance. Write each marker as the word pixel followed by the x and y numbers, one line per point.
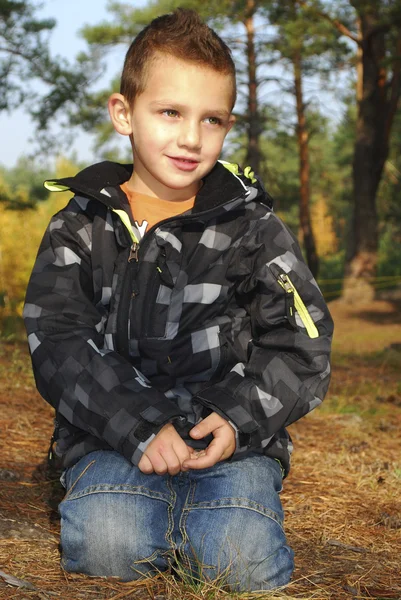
pixel 389 263
pixel 22 230
pixel 302 29
pixel 25 57
pixel 22 186
pixel 389 205
pixel 389 211
pixel 336 176
pixel 281 170
pixel 11 328
pixel 331 273
pixel 23 52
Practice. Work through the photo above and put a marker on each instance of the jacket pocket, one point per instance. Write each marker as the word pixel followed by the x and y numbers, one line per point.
pixel 294 302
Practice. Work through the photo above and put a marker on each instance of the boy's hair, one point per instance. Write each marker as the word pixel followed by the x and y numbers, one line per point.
pixel 181 34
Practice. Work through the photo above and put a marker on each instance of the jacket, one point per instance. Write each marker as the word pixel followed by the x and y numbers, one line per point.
pixel 213 310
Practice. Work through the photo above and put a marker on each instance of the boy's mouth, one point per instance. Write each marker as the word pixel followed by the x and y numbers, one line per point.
pixel 183 163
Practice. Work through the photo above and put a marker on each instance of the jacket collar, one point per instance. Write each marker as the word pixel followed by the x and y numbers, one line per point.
pixel 102 180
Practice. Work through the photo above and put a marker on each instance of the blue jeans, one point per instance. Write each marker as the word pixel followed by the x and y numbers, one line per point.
pixel 222 523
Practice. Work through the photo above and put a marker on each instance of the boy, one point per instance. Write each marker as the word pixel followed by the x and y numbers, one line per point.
pixel 176 330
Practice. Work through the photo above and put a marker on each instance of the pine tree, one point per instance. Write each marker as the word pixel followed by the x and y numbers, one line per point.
pixel 374 26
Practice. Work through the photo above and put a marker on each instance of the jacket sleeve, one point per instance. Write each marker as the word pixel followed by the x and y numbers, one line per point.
pixel 287 370
pixel 92 387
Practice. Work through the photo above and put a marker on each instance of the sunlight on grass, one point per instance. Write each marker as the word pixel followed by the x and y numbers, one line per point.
pixel 365 384
pixel 15 366
pixel 397 473
pixel 385 358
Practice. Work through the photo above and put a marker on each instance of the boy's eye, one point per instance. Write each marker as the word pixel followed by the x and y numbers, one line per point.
pixel 170 112
pixel 213 120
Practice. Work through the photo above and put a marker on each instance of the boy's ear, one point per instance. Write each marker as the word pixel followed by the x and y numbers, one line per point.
pixel 120 114
pixel 231 122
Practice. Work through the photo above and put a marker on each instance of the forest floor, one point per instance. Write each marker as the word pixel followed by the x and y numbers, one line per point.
pixel 342 498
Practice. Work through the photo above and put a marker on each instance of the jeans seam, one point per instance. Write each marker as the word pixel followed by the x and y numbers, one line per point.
pixel 116 489
pixel 170 515
pixel 272 516
pixel 245 503
pixel 152 557
pixel 69 492
pixel 182 524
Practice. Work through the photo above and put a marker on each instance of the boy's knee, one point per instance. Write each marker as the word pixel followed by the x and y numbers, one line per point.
pixel 245 573
pixel 97 539
pixel 273 571
pixel 240 548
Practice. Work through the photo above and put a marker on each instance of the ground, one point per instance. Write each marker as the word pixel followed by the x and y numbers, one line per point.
pixel 342 498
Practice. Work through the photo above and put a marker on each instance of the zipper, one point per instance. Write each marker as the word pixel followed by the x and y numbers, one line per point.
pixel 129 288
pixel 129 291
pixel 294 301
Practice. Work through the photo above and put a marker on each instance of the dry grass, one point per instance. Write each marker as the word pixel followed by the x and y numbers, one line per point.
pixel 342 499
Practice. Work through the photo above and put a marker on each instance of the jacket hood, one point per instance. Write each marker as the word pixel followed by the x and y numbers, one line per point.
pixel 225 182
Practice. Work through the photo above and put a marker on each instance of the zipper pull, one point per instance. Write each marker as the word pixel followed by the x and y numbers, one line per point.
pixel 294 302
pixel 133 253
pixel 286 284
pixel 289 298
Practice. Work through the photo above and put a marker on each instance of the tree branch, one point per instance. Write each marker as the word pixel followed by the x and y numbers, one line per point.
pixel 343 29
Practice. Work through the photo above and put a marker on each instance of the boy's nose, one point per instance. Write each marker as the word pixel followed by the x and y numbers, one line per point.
pixel 190 135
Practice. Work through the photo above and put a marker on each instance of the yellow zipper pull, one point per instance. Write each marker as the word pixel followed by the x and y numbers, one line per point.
pixel 289 298
pixel 286 284
pixel 300 307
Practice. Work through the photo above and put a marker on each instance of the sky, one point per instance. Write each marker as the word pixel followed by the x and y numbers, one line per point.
pixel 16 128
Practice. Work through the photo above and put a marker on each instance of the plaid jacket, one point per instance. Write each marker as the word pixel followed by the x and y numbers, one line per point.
pixel 213 310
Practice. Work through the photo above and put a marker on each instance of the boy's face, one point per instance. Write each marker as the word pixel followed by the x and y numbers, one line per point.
pixel 178 125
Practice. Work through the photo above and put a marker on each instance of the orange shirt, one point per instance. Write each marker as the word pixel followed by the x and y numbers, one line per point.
pixel 148 210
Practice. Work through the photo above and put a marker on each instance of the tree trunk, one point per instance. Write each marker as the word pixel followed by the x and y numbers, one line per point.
pixel 374 120
pixel 253 156
pixel 307 236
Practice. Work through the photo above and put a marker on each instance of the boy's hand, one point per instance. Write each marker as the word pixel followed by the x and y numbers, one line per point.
pixel 165 453
pixel 222 446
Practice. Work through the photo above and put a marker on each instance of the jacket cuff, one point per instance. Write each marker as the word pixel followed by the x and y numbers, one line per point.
pixel 144 432
pixel 221 402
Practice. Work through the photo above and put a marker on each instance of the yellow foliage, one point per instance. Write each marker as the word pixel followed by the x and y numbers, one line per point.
pixel 21 232
pixel 323 228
